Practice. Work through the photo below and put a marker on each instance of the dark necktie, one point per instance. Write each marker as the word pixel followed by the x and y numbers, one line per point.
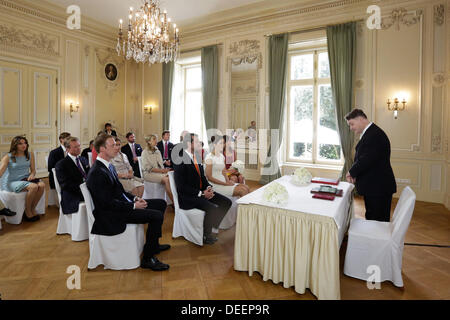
pixel 166 153
pixel 116 177
pixel 80 168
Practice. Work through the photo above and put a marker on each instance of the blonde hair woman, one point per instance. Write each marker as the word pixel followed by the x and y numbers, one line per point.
pixel 153 166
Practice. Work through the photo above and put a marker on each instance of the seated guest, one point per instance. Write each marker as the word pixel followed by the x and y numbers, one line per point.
pixel 109 130
pixel 71 172
pixel 165 147
pixel 94 152
pixel 5 211
pixel 152 165
pixel 115 208
pixel 85 151
pixel 56 155
pixel 133 150
pixel 125 173
pixel 217 175
pixel 17 173
pixel 194 191
pixel 230 157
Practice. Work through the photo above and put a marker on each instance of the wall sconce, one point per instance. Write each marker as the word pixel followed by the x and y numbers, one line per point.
pixel 395 106
pixel 148 110
pixel 72 109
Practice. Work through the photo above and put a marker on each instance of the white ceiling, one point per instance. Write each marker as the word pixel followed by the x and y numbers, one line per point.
pixel 110 11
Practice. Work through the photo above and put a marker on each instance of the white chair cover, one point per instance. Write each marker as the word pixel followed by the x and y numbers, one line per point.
pixel 187 223
pixel 90 159
pixel 52 194
pixel 117 252
pixel 152 190
pixel 75 224
pixel 380 243
pixel 16 202
pixel 230 218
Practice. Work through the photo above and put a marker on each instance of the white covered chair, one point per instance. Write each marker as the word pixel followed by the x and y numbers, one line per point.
pixel 90 159
pixel 16 202
pixel 75 224
pixel 52 194
pixel 380 243
pixel 152 190
pixel 187 223
pixel 230 218
pixel 119 252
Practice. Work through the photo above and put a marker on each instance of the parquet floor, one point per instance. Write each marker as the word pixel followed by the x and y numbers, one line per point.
pixel 33 263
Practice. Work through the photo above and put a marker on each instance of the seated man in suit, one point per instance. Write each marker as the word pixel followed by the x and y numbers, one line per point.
pixel 71 172
pixel 132 150
pixel 115 208
pixel 109 130
pixel 165 147
pixel 56 155
pixel 85 151
pixel 194 191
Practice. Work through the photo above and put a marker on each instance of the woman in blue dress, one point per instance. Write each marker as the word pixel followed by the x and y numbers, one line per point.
pixel 17 171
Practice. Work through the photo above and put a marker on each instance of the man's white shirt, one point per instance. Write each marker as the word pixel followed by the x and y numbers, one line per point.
pixel 365 129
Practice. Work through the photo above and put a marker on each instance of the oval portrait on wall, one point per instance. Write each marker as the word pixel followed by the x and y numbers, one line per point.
pixel 111 72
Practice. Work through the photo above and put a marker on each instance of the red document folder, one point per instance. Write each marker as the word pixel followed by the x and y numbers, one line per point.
pixel 323 196
pixel 333 182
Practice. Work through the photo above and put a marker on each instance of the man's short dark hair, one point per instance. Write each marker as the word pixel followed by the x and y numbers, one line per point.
pixel 354 114
pixel 100 141
pixel 188 137
pixel 64 135
pixel 108 125
pixel 129 134
pixel 164 132
pixel 116 139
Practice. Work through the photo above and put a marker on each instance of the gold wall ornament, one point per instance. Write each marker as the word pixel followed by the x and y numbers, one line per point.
pixel 439 14
pixel 244 47
pixel 436 143
pixel 438 79
pixel 401 16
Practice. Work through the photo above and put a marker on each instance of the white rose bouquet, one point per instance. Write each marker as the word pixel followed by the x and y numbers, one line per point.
pixel 301 177
pixel 238 165
pixel 276 193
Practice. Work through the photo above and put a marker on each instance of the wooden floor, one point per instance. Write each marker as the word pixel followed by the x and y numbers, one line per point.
pixel 33 263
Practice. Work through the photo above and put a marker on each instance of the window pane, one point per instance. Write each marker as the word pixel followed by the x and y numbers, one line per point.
pixel 301 122
pixel 193 115
pixel 193 78
pixel 324 66
pixel 302 66
pixel 328 137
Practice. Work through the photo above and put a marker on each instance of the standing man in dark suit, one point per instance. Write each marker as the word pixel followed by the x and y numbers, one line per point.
pixel 371 171
pixel 165 147
pixel 115 208
pixel 133 151
pixel 71 172
pixel 194 191
pixel 56 155
pixel 109 130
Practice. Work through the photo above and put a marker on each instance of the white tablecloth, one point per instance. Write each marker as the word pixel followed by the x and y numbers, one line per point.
pixel 296 243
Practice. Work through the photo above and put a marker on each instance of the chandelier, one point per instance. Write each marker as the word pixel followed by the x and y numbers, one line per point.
pixel 151 36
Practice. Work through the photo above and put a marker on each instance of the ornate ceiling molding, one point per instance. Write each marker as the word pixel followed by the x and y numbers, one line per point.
pixel 439 14
pixel 401 16
pixel 28 41
pixel 245 51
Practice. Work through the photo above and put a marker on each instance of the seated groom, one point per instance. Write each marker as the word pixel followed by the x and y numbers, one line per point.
pixel 132 150
pixel 71 172
pixel 194 191
pixel 114 207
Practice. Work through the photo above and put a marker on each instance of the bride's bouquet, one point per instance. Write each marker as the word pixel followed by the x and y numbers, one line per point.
pixel 276 193
pixel 238 165
pixel 301 177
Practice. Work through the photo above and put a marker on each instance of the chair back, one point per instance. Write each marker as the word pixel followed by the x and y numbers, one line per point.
pixel 57 186
pixel 173 188
pixel 89 204
pixel 402 215
pixel 140 167
pixel 90 159
pixel 46 161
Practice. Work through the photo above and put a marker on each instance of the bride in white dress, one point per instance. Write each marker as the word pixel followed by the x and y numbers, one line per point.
pixel 215 167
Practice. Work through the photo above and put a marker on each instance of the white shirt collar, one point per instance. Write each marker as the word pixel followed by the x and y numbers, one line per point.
pixel 130 144
pixel 64 149
pixel 364 131
pixel 106 163
pixel 72 157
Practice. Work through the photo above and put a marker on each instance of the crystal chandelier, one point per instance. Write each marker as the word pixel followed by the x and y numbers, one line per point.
pixel 151 35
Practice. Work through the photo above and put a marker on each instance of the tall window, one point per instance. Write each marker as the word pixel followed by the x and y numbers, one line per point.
pixel 312 127
pixel 187 101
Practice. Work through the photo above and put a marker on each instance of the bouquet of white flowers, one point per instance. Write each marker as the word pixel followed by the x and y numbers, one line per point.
pixel 238 165
pixel 301 177
pixel 276 193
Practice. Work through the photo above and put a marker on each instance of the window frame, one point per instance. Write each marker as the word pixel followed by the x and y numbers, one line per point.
pixel 315 82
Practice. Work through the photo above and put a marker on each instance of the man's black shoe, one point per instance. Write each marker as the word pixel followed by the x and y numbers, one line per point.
pixel 163 247
pixel 154 264
pixel 209 239
pixel 6 212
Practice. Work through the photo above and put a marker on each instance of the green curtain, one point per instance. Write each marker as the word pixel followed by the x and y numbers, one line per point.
pixel 210 85
pixel 342 56
pixel 278 47
pixel 167 74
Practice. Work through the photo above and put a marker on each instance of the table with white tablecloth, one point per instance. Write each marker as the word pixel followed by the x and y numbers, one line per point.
pixel 296 243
